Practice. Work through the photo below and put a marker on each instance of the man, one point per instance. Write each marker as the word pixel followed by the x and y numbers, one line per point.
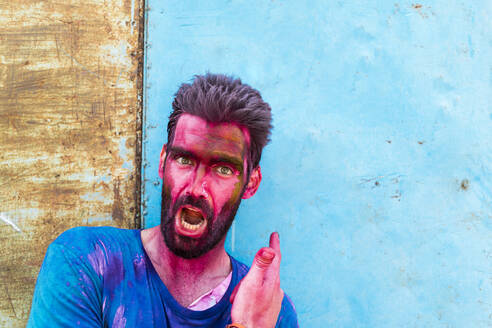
pixel 178 274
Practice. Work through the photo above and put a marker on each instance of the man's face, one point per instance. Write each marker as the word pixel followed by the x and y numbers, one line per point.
pixel 204 180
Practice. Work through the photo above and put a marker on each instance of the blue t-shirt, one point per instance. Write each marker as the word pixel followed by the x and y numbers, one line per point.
pixel 102 277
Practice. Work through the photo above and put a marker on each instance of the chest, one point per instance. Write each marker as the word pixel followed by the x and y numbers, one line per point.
pixel 149 303
pixel 186 291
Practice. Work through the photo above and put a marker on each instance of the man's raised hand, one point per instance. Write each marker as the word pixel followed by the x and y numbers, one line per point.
pixel 257 299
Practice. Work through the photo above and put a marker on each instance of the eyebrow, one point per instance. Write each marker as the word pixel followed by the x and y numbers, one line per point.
pixel 181 151
pixel 217 157
pixel 225 158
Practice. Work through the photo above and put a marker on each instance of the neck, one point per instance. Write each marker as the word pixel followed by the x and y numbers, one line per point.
pixel 212 266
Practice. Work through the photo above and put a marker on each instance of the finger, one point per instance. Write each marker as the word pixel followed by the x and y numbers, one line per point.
pixel 272 277
pixel 275 242
pixel 234 292
pixel 275 245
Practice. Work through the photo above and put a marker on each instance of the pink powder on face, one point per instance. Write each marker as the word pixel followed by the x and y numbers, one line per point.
pixel 211 297
pixel 206 141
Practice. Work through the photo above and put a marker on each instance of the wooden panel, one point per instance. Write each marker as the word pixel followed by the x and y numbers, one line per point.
pixel 70 90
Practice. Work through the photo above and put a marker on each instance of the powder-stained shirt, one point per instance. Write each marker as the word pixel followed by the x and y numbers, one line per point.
pixel 212 297
pixel 102 277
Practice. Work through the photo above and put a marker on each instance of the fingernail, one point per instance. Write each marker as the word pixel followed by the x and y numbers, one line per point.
pixel 268 255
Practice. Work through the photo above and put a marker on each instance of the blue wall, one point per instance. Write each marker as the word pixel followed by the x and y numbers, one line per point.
pixel 378 176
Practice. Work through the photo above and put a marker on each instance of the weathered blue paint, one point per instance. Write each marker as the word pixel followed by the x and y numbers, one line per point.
pixel 378 176
pixel 126 154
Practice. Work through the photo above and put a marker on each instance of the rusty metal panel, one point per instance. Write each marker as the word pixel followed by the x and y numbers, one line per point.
pixel 70 91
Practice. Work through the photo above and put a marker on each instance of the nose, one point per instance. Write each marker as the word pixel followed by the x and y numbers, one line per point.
pixel 198 184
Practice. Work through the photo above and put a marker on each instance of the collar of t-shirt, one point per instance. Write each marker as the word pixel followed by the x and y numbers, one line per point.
pixel 211 297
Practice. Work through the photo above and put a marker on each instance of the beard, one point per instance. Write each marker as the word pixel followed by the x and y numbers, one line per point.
pixel 216 229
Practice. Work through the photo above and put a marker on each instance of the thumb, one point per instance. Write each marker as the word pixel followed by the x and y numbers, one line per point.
pixel 263 258
pixel 256 275
pixel 262 261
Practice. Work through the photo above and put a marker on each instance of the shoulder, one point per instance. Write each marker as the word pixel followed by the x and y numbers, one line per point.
pixel 98 249
pixel 241 268
pixel 77 267
pixel 80 238
pixel 288 315
pixel 91 233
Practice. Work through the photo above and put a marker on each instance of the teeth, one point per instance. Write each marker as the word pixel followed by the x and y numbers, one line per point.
pixel 190 226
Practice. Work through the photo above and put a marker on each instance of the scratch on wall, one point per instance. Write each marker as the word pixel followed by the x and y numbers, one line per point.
pixel 5 219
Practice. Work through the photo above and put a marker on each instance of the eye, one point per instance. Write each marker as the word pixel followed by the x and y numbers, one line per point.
pixel 184 160
pixel 224 170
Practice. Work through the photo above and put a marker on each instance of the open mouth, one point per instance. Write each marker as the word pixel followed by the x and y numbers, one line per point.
pixel 190 222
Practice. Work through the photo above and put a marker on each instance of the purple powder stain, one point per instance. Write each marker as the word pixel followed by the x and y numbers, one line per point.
pixel 87 282
pixel 114 273
pixel 68 284
pixel 107 265
pixel 139 266
pixel 97 260
pixel 119 320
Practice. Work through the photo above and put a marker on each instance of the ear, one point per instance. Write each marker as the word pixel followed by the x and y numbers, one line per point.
pixel 162 158
pixel 253 183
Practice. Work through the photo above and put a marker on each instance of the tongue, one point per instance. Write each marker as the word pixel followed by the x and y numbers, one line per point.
pixel 192 217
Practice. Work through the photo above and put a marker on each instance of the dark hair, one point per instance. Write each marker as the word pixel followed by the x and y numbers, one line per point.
pixel 219 98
